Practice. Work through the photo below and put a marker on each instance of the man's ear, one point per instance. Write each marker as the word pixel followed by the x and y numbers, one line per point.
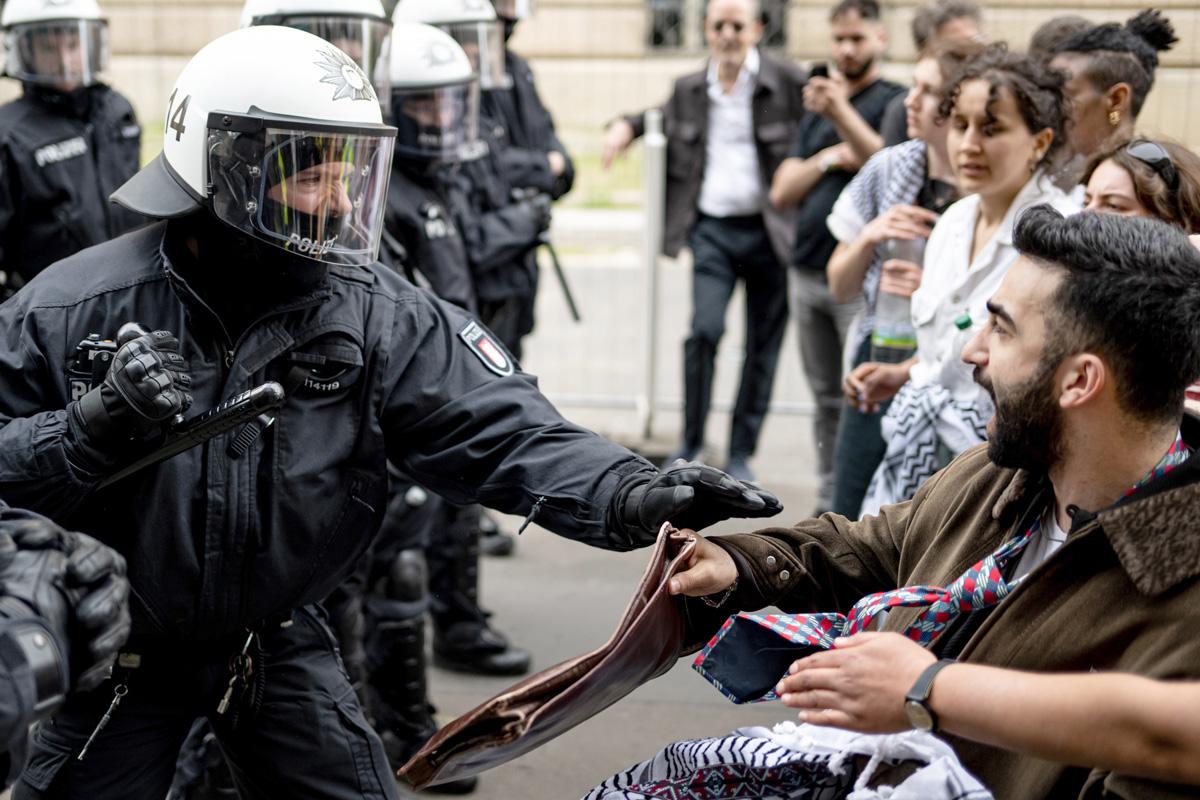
pixel 1081 379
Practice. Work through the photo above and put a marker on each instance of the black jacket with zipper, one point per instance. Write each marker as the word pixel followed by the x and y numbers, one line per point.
pixel 215 544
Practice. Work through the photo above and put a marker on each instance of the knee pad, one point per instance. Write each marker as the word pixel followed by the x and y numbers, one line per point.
pixel 408 577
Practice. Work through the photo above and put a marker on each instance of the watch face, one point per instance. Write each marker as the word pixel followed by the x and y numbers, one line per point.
pixel 918 715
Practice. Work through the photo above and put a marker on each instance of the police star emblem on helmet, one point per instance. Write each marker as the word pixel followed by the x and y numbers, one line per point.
pixel 438 53
pixel 348 77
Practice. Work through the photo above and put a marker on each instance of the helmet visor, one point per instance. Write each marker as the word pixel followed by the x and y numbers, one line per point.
pixel 484 45
pixel 362 38
pixel 64 54
pixel 317 194
pixel 436 124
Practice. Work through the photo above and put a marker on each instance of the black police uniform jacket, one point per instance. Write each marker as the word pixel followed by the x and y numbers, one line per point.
pixel 61 156
pixel 499 232
pixel 419 219
pixel 518 120
pixel 213 543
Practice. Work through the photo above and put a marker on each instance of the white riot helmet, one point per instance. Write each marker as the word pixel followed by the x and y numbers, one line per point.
pixel 435 94
pixel 358 28
pixel 513 10
pixel 473 24
pixel 280 135
pixel 57 43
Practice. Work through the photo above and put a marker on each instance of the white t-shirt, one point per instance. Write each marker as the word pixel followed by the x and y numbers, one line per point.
pixel 1048 539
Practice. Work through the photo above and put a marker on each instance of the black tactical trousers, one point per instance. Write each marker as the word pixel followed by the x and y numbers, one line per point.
pixel 725 249
pixel 296 732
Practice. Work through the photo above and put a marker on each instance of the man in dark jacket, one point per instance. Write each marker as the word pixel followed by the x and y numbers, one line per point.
pixel 736 118
pixel 265 267
pixel 66 144
pixel 1066 544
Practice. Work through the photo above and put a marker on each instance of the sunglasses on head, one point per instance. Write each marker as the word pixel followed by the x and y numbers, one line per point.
pixel 1156 157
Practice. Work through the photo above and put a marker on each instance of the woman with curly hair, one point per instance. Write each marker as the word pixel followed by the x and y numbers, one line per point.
pixel 1006 117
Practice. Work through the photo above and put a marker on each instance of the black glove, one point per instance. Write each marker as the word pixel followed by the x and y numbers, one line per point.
pixel 689 496
pixel 145 388
pixel 91 583
pixel 541 208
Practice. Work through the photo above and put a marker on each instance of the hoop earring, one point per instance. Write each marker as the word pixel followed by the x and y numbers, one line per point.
pixel 1114 118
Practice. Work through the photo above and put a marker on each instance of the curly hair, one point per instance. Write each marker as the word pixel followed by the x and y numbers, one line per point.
pixel 1180 207
pixel 1037 90
pixel 1125 53
pixel 1132 295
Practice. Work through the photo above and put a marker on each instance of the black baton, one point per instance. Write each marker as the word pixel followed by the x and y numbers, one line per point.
pixel 237 410
pixel 544 241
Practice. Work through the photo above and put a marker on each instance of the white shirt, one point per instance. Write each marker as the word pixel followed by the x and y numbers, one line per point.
pixel 732 184
pixel 953 285
pixel 1045 542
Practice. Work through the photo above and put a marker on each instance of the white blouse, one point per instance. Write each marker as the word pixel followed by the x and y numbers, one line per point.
pixel 953 285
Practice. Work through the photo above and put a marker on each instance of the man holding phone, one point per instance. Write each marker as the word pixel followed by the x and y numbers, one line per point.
pixel 735 118
pixel 836 137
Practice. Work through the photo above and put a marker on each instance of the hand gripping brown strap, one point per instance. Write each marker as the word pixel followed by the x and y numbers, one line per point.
pixel 647 642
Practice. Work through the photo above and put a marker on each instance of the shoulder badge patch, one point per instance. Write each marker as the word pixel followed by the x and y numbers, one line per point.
pixel 481 342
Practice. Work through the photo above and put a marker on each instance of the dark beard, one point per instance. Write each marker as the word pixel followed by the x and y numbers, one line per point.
pixel 1028 430
pixel 862 70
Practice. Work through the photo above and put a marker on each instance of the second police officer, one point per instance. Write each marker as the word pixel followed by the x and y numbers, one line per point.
pixel 272 187
pixel 66 144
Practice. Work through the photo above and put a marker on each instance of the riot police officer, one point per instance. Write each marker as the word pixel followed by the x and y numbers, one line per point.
pixel 507 218
pixel 65 144
pixel 64 612
pixel 532 154
pixel 359 28
pixel 272 186
pixel 434 104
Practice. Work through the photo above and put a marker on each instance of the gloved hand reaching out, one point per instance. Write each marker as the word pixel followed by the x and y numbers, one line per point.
pixel 689 495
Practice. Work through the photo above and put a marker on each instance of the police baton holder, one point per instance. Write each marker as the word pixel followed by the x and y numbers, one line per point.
pixel 238 410
pixel 651 636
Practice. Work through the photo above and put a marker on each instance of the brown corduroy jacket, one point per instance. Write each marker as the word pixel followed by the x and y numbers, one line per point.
pixel 1122 594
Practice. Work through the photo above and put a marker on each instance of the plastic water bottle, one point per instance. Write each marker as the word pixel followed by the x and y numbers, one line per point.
pixel 895 339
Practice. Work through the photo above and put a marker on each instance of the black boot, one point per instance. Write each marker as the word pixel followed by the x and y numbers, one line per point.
pixel 396 689
pixel 462 638
pixel 492 540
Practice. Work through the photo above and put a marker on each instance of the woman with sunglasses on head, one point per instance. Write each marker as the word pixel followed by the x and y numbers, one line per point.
pixel 893 202
pixel 1146 178
pixel 1149 178
pixel 1006 115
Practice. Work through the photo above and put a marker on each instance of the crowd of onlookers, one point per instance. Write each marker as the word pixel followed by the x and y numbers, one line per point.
pixel 894 210
pixel 965 268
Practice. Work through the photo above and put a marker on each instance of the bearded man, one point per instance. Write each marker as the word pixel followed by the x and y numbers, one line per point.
pixel 1067 543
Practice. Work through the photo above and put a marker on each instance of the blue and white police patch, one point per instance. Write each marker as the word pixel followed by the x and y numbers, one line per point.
pixel 483 344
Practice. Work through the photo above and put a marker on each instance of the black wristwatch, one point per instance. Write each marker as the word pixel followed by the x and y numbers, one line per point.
pixel 916 702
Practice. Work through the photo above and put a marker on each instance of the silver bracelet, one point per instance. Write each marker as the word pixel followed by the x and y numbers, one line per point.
pixel 708 601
